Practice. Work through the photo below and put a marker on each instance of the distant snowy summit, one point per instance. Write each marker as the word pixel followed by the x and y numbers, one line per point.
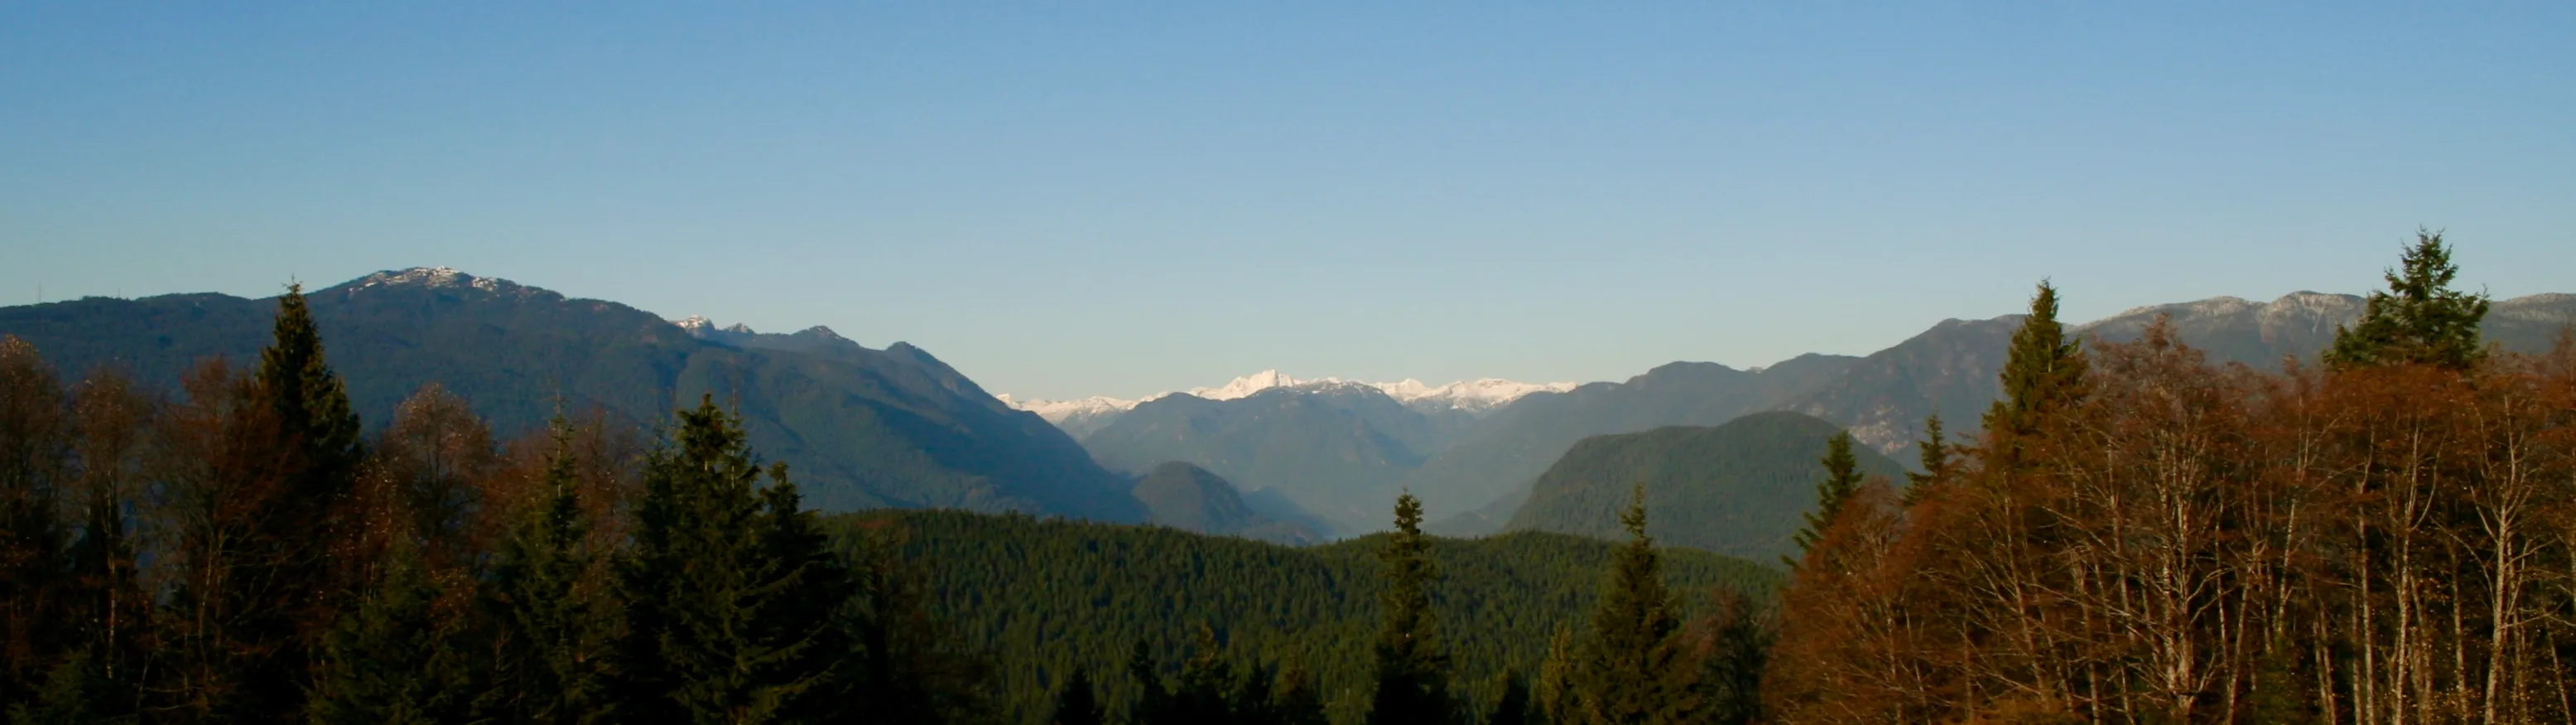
pixel 1479 395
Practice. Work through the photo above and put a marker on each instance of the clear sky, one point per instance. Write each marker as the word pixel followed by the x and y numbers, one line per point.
pixel 1066 199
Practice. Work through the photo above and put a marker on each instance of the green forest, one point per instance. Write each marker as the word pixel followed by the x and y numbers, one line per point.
pixel 2131 534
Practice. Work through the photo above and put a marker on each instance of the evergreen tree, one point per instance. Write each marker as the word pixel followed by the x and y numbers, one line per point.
pixel 1634 670
pixel 553 633
pixel 395 660
pixel 1153 702
pixel 1842 477
pixel 2419 319
pixel 1739 637
pixel 1513 706
pixel 728 594
pixel 1076 703
pixel 287 584
pixel 1412 674
pixel 35 452
pixel 2043 376
pixel 1206 689
pixel 1557 703
pixel 1297 701
pixel 1935 461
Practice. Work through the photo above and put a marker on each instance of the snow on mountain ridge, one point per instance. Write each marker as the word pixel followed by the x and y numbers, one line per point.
pixel 1479 394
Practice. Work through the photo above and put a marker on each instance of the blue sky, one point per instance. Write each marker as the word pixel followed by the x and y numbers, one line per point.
pixel 1078 198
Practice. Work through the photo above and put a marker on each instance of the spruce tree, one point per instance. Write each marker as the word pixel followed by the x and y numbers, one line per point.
pixel 1935 461
pixel 1412 673
pixel 1842 479
pixel 1739 637
pixel 394 659
pixel 2419 319
pixel 728 595
pixel 553 630
pixel 1076 703
pixel 1513 706
pixel 2043 376
pixel 35 452
pixel 1633 669
pixel 1297 701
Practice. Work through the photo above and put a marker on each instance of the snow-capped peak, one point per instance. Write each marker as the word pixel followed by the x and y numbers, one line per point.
pixel 1056 411
pixel 436 277
pixel 694 323
pixel 1478 395
pixel 1245 386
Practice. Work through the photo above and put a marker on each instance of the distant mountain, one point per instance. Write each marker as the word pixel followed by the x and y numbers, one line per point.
pixel 859 428
pixel 1522 440
pixel 1333 449
pixel 1470 397
pixel 1951 369
pixel 1737 489
pixel 1189 498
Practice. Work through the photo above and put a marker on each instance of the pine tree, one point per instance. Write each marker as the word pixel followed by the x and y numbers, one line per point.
pixel 1935 461
pixel 728 595
pixel 1153 704
pixel 35 453
pixel 2042 377
pixel 1513 706
pixel 2419 319
pixel 395 659
pixel 1412 674
pixel 1076 703
pixel 1557 703
pixel 553 630
pixel 1738 637
pixel 1633 669
pixel 1842 477
pixel 1297 701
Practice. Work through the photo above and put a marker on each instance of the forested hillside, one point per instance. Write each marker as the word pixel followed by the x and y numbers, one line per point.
pixel 864 428
pixel 1740 489
pixel 1046 597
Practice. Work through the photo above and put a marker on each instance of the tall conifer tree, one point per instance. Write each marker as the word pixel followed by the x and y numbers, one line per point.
pixel 2419 319
pixel 2043 376
pixel 1076 703
pixel 553 627
pixel 1412 673
pixel 727 594
pixel 1934 452
pixel 35 453
pixel 1842 478
pixel 1634 669
pixel 395 658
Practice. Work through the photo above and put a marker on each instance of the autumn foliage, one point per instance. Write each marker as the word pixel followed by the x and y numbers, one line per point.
pixel 2164 540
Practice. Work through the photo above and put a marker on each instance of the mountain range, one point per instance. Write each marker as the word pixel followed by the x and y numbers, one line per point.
pixel 1298 458
pixel 859 427
pixel 1345 456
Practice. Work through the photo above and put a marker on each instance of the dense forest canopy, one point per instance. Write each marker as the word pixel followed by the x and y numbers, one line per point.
pixel 2136 535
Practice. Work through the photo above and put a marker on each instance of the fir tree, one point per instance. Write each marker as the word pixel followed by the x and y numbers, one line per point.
pixel 1935 461
pixel 1842 478
pixel 395 659
pixel 1739 637
pixel 2419 319
pixel 35 450
pixel 1297 701
pixel 1513 706
pixel 1634 670
pixel 2042 377
pixel 728 597
pixel 1076 703
pixel 553 629
pixel 1412 674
